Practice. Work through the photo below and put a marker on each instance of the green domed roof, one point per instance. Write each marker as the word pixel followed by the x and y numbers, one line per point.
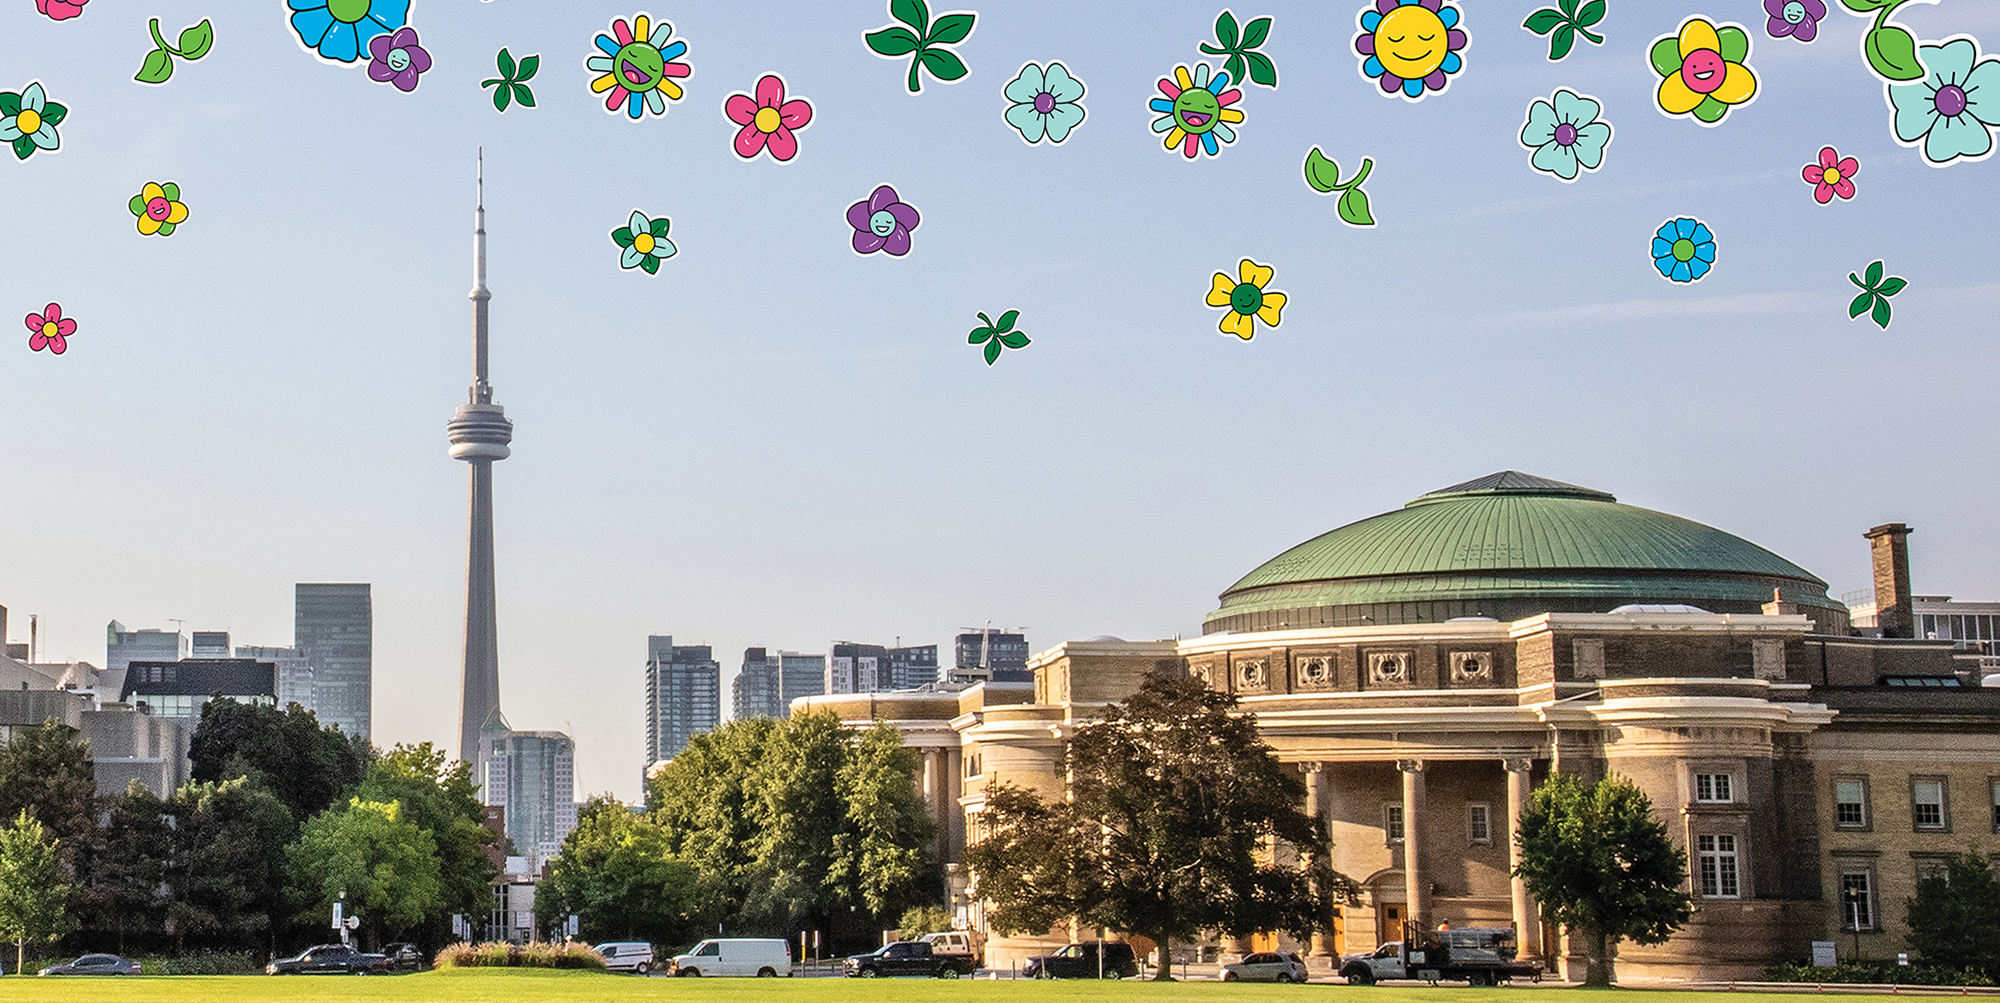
pixel 1510 539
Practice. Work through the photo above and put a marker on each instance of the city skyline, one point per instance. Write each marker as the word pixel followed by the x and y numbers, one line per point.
pixel 777 442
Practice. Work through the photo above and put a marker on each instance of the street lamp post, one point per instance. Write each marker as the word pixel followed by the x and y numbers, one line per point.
pixel 1853 897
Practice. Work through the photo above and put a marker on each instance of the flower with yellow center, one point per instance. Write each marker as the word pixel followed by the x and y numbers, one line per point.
pixel 28 121
pixel 1703 71
pixel 644 241
pixel 1246 298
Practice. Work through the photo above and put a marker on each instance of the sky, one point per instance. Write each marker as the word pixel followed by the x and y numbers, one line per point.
pixel 778 442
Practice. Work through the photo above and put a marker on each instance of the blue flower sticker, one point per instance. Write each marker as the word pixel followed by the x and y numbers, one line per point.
pixel 1683 250
pixel 339 30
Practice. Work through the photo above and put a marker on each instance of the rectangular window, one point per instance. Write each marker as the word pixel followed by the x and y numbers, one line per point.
pixel 1850 803
pixel 1392 822
pixel 1927 803
pixel 1996 805
pixel 1857 906
pixel 1589 657
pixel 1712 787
pixel 1479 823
pixel 1718 867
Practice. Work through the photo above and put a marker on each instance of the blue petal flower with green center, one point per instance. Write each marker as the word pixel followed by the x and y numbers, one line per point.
pixel 339 30
pixel 1683 250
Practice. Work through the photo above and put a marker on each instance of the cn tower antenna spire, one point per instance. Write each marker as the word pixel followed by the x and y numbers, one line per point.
pixel 482 392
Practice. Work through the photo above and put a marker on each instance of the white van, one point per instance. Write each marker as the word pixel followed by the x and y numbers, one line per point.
pixel 952 944
pixel 627 956
pixel 762 957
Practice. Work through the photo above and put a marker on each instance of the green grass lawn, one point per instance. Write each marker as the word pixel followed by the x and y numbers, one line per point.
pixel 537 986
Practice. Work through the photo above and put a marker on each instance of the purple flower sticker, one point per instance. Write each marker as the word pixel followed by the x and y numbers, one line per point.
pixel 1797 18
pixel 883 222
pixel 397 59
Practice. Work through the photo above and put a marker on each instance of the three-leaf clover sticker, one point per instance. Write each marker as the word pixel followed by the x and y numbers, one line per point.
pixel 513 80
pixel 997 334
pixel 924 38
pixel 1241 49
pixel 1875 293
pixel 1567 22
pixel 1324 177
pixel 194 43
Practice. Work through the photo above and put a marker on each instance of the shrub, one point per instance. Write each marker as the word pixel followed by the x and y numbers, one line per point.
pixel 203 963
pixel 534 955
pixel 1879 973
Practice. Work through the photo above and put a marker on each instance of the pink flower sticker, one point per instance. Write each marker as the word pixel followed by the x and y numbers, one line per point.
pixel 768 120
pixel 60 10
pixel 52 329
pixel 1831 176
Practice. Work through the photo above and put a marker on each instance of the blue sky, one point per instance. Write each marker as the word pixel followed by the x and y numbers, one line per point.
pixel 776 441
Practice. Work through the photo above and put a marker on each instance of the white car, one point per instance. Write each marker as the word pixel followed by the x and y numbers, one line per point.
pixel 1266 966
pixel 627 956
pixel 763 957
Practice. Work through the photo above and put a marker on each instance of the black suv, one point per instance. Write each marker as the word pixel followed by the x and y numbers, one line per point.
pixel 1079 961
pixel 403 958
pixel 906 957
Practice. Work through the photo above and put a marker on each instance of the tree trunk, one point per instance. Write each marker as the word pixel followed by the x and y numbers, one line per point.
pixel 1166 972
pixel 1598 973
pixel 20 951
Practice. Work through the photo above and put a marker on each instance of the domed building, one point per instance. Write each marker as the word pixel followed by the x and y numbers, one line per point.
pixel 1425 668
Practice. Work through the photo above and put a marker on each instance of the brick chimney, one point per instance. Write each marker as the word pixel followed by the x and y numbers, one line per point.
pixel 1890 546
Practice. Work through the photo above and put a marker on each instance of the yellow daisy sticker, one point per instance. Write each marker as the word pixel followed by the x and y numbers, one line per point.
pixel 1247 299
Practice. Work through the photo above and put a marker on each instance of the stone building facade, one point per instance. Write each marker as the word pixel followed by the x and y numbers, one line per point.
pixel 1789 758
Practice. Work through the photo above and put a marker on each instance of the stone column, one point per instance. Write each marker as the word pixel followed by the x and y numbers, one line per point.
pixel 933 770
pixel 1527 921
pixel 1317 783
pixel 1416 884
pixel 952 818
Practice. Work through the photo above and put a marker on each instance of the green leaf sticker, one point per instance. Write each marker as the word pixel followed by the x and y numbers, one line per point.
pixel 1892 53
pixel 1244 61
pixel 511 84
pixel 997 335
pixel 923 39
pixel 194 43
pixel 1875 293
pixel 1564 22
pixel 1323 176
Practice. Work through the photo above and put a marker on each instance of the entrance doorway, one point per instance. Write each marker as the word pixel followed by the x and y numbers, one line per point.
pixel 1389 922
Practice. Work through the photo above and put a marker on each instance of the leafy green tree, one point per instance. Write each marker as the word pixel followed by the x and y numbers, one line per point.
pixel 131 866
pixel 1174 806
pixel 922 919
pixel 1955 917
pixel 35 886
pixel 618 876
pixel 46 771
pixel 386 866
pixel 308 767
pixel 438 795
pixel 879 859
pixel 799 813
pixel 707 803
pixel 226 870
pixel 1599 863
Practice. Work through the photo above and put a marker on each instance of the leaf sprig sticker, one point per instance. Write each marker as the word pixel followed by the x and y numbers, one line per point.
pixel 998 334
pixel 1875 293
pixel 1890 49
pixel 924 40
pixel 513 80
pixel 193 44
pixel 1324 177
pixel 1563 22
pixel 1242 49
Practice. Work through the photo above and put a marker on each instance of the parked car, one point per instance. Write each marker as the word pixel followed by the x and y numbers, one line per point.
pixel 327 959
pixel 627 956
pixel 403 958
pixel 94 964
pixel 1080 961
pixel 1266 966
pixel 955 943
pixel 759 956
pixel 905 957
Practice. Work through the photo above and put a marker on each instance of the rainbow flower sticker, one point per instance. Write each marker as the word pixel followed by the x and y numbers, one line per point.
pixel 637 67
pixel 1195 110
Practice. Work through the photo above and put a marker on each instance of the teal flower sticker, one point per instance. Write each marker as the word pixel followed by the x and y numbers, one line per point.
pixel 1942 114
pixel 644 242
pixel 1565 134
pixel 1044 103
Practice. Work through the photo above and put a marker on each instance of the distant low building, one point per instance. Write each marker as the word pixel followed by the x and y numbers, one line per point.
pixel 995 655
pixel 180 689
pixel 122 647
pixel 295 674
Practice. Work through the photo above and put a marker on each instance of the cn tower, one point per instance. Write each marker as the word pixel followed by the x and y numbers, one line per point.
pixel 479 432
